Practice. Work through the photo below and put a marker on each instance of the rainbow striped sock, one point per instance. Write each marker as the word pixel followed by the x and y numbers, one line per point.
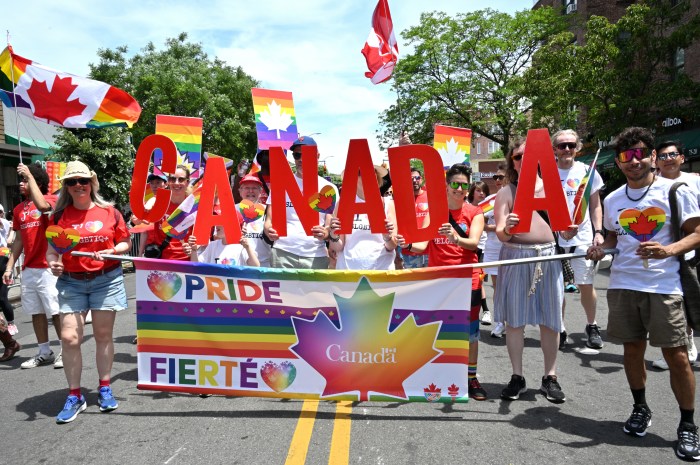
pixel 472 371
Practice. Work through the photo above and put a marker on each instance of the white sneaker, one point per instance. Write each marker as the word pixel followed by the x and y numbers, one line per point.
pixel 39 360
pixel 660 364
pixel 692 350
pixel 498 330
pixel 88 317
pixel 12 329
pixel 486 318
pixel 58 364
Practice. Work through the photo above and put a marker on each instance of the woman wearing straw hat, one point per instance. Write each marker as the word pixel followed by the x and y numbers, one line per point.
pixel 88 283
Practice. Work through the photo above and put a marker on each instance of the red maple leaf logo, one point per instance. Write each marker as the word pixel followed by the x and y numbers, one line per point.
pixel 53 105
pixel 324 202
pixel 643 227
pixel 249 212
pixel 61 241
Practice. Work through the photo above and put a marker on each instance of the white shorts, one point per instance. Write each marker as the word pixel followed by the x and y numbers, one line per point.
pixel 584 270
pixel 39 293
pixel 491 254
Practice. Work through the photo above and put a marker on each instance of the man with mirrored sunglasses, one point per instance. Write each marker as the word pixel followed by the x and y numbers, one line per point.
pixel 645 298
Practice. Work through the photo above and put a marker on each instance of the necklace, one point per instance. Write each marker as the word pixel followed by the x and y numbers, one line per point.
pixel 644 194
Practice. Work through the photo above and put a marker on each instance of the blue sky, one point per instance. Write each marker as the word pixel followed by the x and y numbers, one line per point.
pixel 309 47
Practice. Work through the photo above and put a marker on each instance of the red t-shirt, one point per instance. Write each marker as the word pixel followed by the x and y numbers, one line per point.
pixel 100 228
pixel 32 224
pixel 421 213
pixel 156 236
pixel 441 252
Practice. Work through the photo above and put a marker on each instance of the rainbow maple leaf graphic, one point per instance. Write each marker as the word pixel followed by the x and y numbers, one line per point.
pixel 362 355
pixel 53 104
pixel 643 228
pixel 275 118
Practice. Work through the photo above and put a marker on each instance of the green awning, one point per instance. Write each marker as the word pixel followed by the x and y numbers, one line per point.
pixel 606 157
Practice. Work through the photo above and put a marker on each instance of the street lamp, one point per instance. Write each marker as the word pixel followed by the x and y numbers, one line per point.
pixel 324 160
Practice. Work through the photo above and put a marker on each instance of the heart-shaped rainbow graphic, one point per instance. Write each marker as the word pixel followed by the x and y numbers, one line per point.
pixel 278 377
pixel 4 251
pixel 93 226
pixel 251 211
pixel 164 285
pixel 62 240
pixel 35 214
pixel 572 183
pixel 324 201
pixel 644 224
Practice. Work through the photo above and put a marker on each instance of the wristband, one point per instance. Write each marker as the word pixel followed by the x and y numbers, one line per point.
pixel 599 231
pixel 409 247
pixel 333 239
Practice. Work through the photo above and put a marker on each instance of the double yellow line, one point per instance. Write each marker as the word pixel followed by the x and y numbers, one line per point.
pixel 340 440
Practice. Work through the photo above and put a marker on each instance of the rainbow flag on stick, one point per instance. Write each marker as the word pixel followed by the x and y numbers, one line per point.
pixel 183 217
pixel 583 195
pixel 488 203
pixel 186 132
pixel 275 120
pixel 453 144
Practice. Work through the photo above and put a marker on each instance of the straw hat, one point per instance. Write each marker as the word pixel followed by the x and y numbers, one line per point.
pixel 77 169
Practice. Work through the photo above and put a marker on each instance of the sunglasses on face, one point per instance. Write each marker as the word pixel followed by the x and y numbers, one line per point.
pixel 73 181
pixel 296 155
pixel 416 178
pixel 498 177
pixel 517 157
pixel 566 145
pixel 640 154
pixel 176 179
pixel 668 156
pixel 457 185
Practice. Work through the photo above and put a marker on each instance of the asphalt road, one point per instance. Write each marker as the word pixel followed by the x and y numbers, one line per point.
pixel 164 428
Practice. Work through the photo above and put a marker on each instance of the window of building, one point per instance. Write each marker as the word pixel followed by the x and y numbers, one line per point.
pixel 478 148
pixel 679 61
pixel 493 146
pixel 571 6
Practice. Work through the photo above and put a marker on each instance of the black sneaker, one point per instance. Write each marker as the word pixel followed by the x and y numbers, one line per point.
pixel 552 390
pixel 639 421
pixel 476 392
pixel 594 341
pixel 563 342
pixel 515 387
pixel 688 445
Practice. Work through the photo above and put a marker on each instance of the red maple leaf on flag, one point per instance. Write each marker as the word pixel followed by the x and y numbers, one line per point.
pixel 324 202
pixel 643 227
pixel 53 104
pixel 61 241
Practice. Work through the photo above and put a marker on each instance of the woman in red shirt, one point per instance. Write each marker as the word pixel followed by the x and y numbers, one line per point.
pixel 88 283
pixel 452 248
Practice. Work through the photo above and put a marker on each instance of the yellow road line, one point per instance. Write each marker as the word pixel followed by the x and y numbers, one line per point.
pixel 340 441
pixel 302 434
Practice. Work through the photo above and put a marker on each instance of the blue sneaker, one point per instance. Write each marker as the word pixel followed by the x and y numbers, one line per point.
pixel 106 400
pixel 74 405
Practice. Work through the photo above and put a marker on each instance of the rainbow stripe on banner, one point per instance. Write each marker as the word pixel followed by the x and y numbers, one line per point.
pixel 275 120
pixel 317 334
pixel 453 144
pixel 186 132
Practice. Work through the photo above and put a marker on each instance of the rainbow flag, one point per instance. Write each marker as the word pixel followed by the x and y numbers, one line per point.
pixel 183 217
pixel 55 170
pixel 453 144
pixel 186 132
pixel 488 203
pixel 317 334
pixel 275 120
pixel 583 194
pixel 63 99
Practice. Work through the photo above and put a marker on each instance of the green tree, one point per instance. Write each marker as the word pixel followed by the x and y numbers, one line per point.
pixel 622 74
pixel 467 71
pixel 182 80
pixel 107 151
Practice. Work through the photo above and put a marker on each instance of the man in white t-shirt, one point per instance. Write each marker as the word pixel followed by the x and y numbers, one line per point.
pixel 590 232
pixel 296 249
pixel 645 298
pixel 669 158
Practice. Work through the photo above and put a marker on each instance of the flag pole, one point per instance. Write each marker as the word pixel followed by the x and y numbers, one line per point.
pixel 577 207
pixel 14 96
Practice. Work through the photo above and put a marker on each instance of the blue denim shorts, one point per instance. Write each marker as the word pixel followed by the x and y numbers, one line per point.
pixel 105 292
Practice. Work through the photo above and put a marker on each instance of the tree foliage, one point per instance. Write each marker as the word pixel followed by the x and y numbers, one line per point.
pixel 623 73
pixel 467 71
pixel 182 80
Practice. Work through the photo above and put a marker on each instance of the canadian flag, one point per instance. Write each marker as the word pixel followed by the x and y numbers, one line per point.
pixel 381 50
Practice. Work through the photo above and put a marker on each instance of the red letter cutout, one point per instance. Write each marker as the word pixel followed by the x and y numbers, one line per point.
pixel 282 181
pixel 216 182
pixel 359 162
pixel 538 152
pixel 140 175
pixel 434 175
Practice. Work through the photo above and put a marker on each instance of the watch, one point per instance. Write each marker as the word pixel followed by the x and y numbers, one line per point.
pixel 599 231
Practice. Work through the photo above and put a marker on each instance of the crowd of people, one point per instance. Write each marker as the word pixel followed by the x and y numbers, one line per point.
pixel 644 296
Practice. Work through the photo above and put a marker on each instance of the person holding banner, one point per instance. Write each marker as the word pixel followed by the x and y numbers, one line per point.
pixel 572 173
pixel 534 291
pixel 362 249
pixel 88 283
pixel 251 188
pixel 645 296
pixel 457 244
pixel 492 248
pixel 477 194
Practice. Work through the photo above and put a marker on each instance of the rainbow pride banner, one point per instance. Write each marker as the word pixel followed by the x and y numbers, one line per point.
pixel 454 144
pixel 275 120
pixel 186 132
pixel 314 334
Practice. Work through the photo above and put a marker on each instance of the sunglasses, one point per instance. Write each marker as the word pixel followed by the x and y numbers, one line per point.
pixel 626 156
pixel 457 185
pixel 72 182
pixel 517 157
pixel 176 179
pixel 566 145
pixel 499 177
pixel 296 155
pixel 416 178
pixel 668 156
